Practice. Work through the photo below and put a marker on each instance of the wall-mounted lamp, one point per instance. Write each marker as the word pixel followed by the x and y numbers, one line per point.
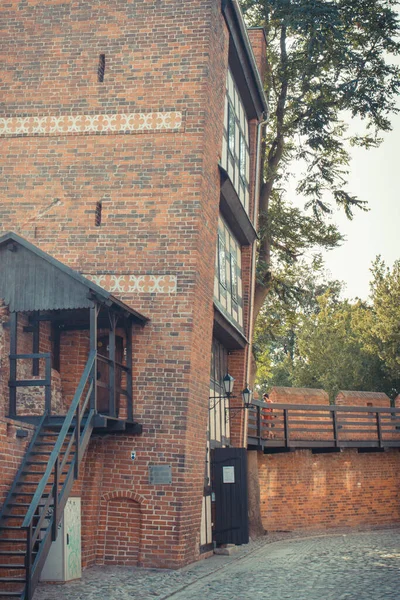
pixel 228 382
pixel 247 396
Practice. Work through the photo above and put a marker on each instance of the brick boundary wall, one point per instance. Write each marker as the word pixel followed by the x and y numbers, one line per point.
pixel 12 451
pixel 301 490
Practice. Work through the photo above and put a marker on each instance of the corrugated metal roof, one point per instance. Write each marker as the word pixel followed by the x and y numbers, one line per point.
pixel 32 280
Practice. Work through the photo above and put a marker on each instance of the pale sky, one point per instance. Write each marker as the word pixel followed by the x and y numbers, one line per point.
pixel 374 177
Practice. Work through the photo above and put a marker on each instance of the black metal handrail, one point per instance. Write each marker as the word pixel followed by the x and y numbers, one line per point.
pixel 296 425
pixel 74 450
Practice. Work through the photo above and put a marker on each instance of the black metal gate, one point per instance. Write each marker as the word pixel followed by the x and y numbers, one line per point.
pixel 229 466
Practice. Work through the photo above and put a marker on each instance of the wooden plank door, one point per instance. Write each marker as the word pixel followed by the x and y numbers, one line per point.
pixel 229 468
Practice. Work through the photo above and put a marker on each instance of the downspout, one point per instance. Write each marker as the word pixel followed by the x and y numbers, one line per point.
pixel 260 126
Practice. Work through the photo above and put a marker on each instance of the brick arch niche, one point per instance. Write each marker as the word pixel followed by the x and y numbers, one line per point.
pixel 121 524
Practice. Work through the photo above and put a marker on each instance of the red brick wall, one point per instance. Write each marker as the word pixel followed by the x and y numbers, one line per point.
pixel 288 395
pixel 363 399
pixel 160 201
pixel 237 368
pixel 123 530
pixel 74 352
pixel 259 46
pixel 301 490
pixel 12 450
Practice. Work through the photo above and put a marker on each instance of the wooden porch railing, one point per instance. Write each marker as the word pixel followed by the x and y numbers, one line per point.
pixel 285 426
pixel 15 383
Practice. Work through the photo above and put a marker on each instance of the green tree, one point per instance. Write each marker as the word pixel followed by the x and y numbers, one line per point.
pixel 315 339
pixel 293 297
pixel 382 333
pixel 331 354
pixel 328 64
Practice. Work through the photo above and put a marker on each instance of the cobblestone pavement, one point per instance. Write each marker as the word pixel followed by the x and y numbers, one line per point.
pixel 350 566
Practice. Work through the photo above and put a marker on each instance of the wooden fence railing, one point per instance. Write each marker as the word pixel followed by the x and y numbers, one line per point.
pixel 322 426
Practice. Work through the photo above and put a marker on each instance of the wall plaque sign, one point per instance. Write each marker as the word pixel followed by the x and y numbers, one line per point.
pixel 160 474
pixel 228 474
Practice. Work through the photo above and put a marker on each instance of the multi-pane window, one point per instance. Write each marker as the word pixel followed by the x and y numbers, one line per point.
pixel 228 275
pixel 221 260
pixel 219 430
pixel 235 147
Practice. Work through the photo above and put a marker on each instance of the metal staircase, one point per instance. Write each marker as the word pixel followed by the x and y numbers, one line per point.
pixel 34 505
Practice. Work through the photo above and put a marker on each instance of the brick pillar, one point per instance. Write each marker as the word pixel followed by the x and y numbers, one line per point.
pixel 258 42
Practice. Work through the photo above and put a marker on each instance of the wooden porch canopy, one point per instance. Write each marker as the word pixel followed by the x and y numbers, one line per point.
pixel 33 282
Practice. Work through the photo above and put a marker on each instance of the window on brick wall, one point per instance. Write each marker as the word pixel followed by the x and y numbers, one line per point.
pixel 219 429
pixel 221 260
pixel 235 146
pixel 101 68
pixel 228 275
pixel 97 214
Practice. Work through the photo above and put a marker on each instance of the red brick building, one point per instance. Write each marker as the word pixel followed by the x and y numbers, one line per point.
pixel 130 156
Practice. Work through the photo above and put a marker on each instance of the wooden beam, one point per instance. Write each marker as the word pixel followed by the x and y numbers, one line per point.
pixel 129 396
pixel 94 312
pixel 35 347
pixel 111 365
pixel 13 363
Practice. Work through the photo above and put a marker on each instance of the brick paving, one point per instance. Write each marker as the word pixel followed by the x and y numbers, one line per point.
pixel 345 566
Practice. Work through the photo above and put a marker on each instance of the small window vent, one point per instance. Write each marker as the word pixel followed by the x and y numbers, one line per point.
pixel 97 216
pixel 101 68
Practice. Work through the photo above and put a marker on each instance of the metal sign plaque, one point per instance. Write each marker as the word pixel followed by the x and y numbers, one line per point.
pixel 228 474
pixel 160 474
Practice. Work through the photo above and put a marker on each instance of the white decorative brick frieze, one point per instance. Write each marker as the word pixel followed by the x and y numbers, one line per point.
pixel 90 124
pixel 161 284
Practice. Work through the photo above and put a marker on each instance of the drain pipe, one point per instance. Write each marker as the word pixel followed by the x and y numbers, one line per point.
pixel 260 127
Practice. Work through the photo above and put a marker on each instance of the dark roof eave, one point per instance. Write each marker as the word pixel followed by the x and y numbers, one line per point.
pixel 249 51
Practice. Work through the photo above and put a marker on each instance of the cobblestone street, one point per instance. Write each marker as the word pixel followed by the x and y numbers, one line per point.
pixel 349 566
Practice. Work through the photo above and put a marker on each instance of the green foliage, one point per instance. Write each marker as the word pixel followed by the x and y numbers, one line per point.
pixel 316 340
pixel 292 233
pixel 382 334
pixel 328 64
pixel 292 298
pixel 330 353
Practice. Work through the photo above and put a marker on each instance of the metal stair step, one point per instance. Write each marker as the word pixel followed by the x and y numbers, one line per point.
pixel 27 494
pixel 31 483
pixel 11 594
pixel 41 473
pixel 39 443
pixel 22 566
pixel 12 552
pixel 12 580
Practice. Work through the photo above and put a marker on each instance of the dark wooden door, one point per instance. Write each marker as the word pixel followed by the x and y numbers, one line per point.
pixel 229 473
pixel 103 374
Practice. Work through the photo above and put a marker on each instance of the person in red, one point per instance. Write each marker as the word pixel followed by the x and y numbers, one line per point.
pixel 266 418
